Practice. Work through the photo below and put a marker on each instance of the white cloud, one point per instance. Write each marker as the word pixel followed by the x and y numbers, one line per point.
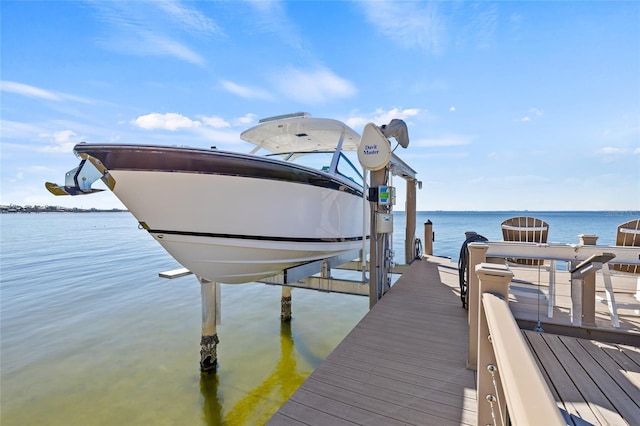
pixel 532 113
pixel 452 109
pixel 381 116
pixel 313 87
pixel 609 150
pixel 18 130
pixel 536 111
pixel 384 117
pixel 26 90
pixel 245 120
pixel 410 24
pixel 610 154
pixel 148 43
pixel 169 121
pixel 191 19
pixel 245 91
pixel 62 141
pixel 36 92
pixel 215 122
pixel 271 18
pixel 137 28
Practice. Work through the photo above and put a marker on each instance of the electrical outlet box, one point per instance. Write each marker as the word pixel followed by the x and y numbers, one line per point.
pixel 384 223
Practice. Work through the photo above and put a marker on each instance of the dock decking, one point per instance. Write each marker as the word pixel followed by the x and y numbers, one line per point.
pixel 405 362
pixel 592 382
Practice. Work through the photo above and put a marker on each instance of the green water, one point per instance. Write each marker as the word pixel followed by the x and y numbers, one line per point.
pixel 91 336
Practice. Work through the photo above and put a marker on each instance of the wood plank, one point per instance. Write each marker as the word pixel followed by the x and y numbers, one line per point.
pixel 591 393
pixel 384 407
pixel 617 397
pixel 628 368
pixel 294 413
pixel 573 401
pixel 632 352
pixel 623 396
pixel 394 389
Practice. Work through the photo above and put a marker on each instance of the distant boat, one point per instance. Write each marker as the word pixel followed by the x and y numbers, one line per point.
pixel 234 218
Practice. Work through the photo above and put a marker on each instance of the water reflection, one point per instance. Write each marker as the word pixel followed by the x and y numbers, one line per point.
pixel 253 408
pixel 212 408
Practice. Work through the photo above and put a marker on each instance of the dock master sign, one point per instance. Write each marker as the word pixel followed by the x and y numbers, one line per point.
pixel 374 151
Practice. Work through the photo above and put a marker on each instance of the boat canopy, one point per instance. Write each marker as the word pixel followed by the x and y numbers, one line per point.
pixel 298 133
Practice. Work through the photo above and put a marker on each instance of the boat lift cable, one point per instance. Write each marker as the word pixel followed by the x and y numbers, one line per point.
pixel 463 263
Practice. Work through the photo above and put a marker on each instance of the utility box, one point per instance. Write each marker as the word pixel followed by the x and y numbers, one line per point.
pixel 384 223
pixel 383 195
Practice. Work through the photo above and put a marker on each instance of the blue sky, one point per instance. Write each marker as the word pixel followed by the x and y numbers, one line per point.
pixel 510 105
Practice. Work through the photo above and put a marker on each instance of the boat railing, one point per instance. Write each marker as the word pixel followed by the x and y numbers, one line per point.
pixel 510 386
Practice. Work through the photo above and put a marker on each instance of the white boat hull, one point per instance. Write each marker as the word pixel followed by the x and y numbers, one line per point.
pixel 234 229
pixel 235 218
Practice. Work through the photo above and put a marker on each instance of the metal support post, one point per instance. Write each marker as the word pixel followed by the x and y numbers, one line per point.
pixel 210 293
pixel 285 304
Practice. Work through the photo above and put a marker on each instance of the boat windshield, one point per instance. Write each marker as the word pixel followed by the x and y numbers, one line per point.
pixel 321 160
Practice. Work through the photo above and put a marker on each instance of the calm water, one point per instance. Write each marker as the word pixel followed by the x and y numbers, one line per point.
pixel 91 336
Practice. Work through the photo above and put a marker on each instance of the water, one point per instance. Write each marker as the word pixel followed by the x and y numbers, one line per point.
pixel 90 335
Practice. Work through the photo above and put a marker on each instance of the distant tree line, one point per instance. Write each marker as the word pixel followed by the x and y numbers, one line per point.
pixel 14 208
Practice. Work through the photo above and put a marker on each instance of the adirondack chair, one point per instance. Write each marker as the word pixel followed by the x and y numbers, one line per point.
pixel 525 229
pixel 628 235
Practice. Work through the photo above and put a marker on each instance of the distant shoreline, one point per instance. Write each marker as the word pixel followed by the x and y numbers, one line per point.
pixel 15 209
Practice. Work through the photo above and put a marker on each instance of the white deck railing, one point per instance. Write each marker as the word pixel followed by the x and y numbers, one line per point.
pixel 563 252
pixel 573 254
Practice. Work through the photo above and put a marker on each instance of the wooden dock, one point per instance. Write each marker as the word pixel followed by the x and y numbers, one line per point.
pixel 405 363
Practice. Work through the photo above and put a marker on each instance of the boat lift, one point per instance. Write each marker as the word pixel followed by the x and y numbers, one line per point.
pixel 377 157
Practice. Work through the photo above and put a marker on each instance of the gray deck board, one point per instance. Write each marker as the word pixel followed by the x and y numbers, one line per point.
pixel 589 379
pixel 404 363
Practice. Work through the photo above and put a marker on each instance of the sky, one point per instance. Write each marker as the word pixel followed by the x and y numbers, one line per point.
pixel 509 105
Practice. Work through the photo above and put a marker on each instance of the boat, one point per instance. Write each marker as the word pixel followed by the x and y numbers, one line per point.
pixel 233 217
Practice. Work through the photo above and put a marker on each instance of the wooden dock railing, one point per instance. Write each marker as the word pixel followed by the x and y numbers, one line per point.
pixel 510 385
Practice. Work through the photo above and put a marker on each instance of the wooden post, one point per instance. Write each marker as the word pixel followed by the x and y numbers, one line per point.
pixel 210 293
pixel 428 238
pixel 477 255
pixel 493 278
pixel 589 286
pixel 583 290
pixel 285 304
pixel 410 214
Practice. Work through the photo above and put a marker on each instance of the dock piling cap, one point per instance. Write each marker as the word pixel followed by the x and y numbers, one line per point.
pixel 494 269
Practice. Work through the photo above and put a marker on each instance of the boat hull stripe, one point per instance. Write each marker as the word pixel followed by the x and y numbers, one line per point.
pixel 257 237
